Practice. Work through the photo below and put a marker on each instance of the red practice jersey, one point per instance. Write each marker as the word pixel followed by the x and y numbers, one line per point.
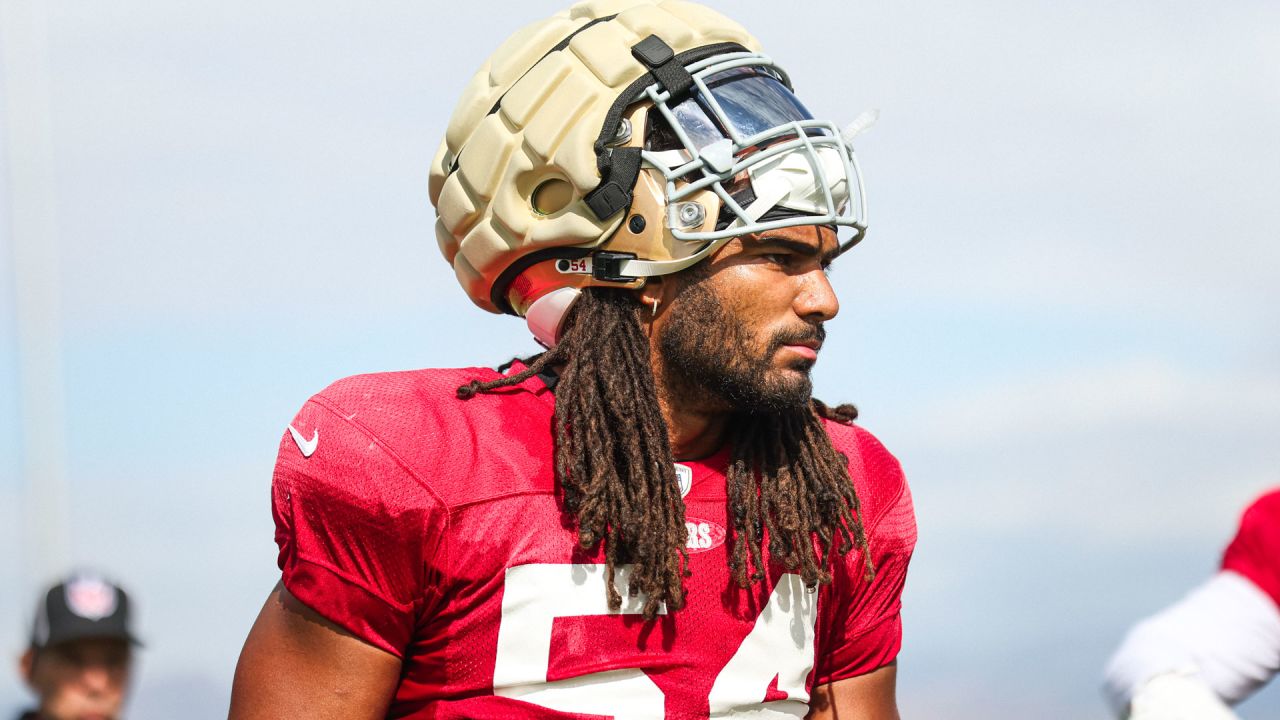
pixel 430 527
pixel 1255 551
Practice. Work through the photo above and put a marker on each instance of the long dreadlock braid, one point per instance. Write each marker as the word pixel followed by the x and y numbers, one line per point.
pixel 788 482
pixel 615 465
pixel 620 486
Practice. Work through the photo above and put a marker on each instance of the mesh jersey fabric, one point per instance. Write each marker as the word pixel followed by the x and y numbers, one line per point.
pixel 410 511
pixel 1255 550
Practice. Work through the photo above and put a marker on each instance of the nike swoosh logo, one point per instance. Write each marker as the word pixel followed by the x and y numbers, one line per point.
pixel 306 446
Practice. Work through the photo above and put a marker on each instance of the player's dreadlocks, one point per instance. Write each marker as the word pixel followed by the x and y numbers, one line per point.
pixel 786 481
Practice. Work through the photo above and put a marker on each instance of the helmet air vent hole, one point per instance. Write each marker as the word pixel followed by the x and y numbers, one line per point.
pixel 551 196
pixel 636 224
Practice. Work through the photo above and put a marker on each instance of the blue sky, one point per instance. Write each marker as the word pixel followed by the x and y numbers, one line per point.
pixel 1063 320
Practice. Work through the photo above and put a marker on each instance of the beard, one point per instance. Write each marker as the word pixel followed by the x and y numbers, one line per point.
pixel 707 354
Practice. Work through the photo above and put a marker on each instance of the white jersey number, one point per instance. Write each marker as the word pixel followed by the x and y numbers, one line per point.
pixel 779 645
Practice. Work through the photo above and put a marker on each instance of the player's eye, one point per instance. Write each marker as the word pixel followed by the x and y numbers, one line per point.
pixel 73 657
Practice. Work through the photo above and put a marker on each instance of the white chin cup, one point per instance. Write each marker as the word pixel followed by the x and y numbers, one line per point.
pixel 790 181
pixel 547 312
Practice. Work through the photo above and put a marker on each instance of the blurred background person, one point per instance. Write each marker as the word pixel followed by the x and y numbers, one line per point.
pixel 78 662
pixel 1217 645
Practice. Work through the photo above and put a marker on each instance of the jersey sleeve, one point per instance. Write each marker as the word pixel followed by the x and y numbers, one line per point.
pixel 1225 635
pixel 352 526
pixel 1255 551
pixel 863 628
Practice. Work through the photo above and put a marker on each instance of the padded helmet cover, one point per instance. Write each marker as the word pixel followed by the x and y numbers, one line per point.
pixel 518 157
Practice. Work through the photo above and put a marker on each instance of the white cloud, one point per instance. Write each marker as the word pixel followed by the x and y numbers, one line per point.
pixel 1104 399
pixel 1135 451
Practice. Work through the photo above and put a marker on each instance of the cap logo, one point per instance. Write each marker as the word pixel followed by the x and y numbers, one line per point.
pixel 91 598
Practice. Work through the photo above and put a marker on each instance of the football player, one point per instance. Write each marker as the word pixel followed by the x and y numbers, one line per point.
pixel 653 518
pixel 1216 646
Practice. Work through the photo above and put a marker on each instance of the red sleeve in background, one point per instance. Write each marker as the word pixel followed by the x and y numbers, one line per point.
pixel 1255 551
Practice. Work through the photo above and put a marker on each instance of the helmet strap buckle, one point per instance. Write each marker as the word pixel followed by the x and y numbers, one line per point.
pixel 606 266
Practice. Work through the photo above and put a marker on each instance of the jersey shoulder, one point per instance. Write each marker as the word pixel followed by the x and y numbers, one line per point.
pixel 868 634
pixel 387 399
pixel 458 447
pixel 1255 550
pixel 877 477
pixel 1264 515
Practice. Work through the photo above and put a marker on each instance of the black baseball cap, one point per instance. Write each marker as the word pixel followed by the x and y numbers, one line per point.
pixel 85 606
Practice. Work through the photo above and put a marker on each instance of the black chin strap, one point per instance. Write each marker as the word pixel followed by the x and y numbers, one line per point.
pixel 619 170
pixel 620 167
pixel 663 65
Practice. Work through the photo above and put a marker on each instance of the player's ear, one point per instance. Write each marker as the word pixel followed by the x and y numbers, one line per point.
pixel 654 297
pixel 27 665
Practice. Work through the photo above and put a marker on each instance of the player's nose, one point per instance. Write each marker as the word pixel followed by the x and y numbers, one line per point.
pixel 816 299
